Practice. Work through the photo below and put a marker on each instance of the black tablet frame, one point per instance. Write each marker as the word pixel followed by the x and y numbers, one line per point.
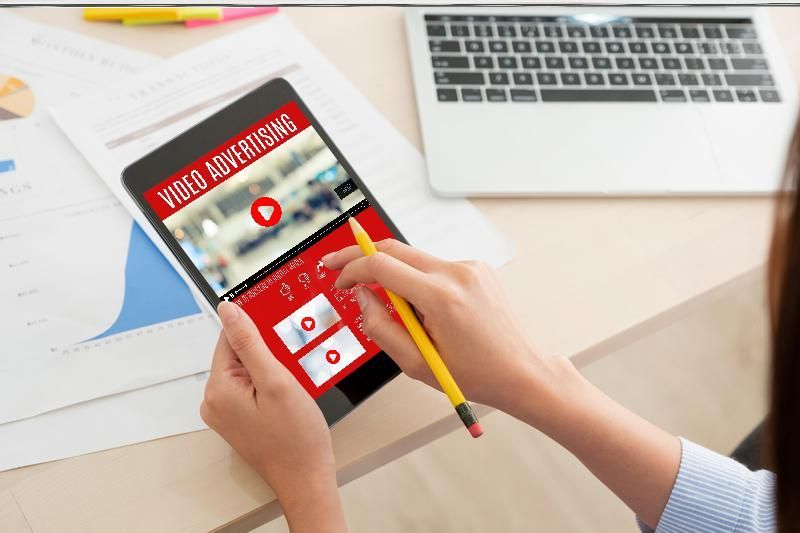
pixel 217 129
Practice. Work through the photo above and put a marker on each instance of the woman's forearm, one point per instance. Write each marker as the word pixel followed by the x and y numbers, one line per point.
pixel 312 505
pixel 635 459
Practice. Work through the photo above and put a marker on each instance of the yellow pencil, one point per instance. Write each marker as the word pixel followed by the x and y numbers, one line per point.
pixel 423 342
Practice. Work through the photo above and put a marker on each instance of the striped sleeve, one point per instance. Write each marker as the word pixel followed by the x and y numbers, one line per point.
pixel 714 493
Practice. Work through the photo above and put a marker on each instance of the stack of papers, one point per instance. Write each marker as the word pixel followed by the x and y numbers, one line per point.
pixel 125 120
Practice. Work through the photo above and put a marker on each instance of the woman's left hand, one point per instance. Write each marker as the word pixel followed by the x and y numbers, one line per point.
pixel 260 409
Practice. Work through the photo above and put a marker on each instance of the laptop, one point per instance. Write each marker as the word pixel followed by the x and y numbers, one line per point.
pixel 601 101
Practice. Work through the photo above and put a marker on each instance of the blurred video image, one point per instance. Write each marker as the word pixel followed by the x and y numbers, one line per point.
pixel 222 239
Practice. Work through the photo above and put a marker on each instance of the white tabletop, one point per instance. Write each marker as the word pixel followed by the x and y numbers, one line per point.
pixel 588 277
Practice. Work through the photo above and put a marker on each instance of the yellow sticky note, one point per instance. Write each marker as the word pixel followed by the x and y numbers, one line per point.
pixel 122 13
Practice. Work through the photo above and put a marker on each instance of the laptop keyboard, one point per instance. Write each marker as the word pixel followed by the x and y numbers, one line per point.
pixel 561 59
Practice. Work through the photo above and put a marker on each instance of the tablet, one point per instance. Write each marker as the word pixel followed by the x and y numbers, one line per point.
pixel 249 200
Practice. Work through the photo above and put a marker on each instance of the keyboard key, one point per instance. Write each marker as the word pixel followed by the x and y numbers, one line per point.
pixel 521 47
pixel 598 95
pixel 471 95
pixel 642 78
pixel 498 78
pixel 598 31
pixel 749 63
pixel 504 30
pixel 711 79
pixel 576 32
pixel 532 62
pixel 523 95
pixel 688 79
pixel 618 78
pixel 529 30
pixel 751 48
pixel 690 32
pixel 648 63
pixel 458 30
pixel 522 78
pixel 570 78
pixel 694 63
pixel 699 95
pixel 621 31
pixel 554 62
pixel 436 31
pixel 507 62
pixel 498 46
pixel 708 48
pixel 601 62
pixel 746 95
pixel 723 95
pixel 483 30
pixel 712 32
pixel 749 80
pixel 637 47
pixel 731 48
pixel 546 78
pixel 660 47
pixel 684 48
pixel 624 63
pixel 645 32
pixel 483 61
pixel 665 79
pixel 552 30
pixel 450 62
pixel 672 95
pixel 578 62
pixel 671 63
pixel 668 31
pixel 717 63
pixel 769 95
pixel 496 95
pixel 594 78
pixel 447 95
pixel 591 47
pixel 568 47
pixel 444 46
pixel 458 78
pixel 615 47
pixel 740 32
pixel 474 46
pixel 545 47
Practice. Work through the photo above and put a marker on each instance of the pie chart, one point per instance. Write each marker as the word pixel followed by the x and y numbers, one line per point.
pixel 16 98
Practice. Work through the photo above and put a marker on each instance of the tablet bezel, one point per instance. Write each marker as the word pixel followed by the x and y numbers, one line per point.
pixel 212 132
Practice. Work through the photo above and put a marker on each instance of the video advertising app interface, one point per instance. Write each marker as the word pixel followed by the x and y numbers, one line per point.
pixel 255 215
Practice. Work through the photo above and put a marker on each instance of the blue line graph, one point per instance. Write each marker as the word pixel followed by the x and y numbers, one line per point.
pixel 154 292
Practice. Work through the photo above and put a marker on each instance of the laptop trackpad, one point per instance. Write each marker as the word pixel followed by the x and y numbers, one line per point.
pixel 628 150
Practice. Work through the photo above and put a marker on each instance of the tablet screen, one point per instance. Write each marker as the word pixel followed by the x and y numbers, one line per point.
pixel 255 215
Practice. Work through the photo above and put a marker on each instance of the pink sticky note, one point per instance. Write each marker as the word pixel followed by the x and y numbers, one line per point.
pixel 232 13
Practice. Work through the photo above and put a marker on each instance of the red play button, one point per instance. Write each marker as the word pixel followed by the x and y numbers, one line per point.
pixel 266 211
pixel 307 323
pixel 333 356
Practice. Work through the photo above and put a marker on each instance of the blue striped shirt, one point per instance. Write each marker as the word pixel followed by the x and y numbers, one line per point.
pixel 714 493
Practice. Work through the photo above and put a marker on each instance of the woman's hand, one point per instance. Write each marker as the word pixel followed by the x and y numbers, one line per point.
pixel 465 311
pixel 256 405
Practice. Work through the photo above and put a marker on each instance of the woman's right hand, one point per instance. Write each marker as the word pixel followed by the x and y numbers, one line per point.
pixel 464 309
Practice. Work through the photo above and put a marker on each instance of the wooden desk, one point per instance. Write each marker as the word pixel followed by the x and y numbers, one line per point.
pixel 589 276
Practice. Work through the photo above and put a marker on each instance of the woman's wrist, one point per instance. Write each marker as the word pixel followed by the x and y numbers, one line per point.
pixel 310 502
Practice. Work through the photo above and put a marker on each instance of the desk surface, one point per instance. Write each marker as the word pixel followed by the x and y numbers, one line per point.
pixel 589 276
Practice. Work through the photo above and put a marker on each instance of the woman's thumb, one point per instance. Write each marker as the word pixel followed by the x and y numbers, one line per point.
pixel 245 339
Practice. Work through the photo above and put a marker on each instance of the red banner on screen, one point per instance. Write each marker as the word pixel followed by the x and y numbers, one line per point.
pixel 196 179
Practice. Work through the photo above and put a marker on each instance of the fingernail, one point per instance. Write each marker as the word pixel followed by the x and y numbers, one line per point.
pixel 327 257
pixel 363 298
pixel 228 313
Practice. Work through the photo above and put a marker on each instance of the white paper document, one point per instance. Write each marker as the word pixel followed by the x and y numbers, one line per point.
pixel 119 124
pixel 83 312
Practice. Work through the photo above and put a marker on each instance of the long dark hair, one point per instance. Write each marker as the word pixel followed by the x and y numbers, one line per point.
pixel 784 296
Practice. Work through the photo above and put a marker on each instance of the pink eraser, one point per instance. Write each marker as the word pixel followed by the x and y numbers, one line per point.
pixel 476 430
